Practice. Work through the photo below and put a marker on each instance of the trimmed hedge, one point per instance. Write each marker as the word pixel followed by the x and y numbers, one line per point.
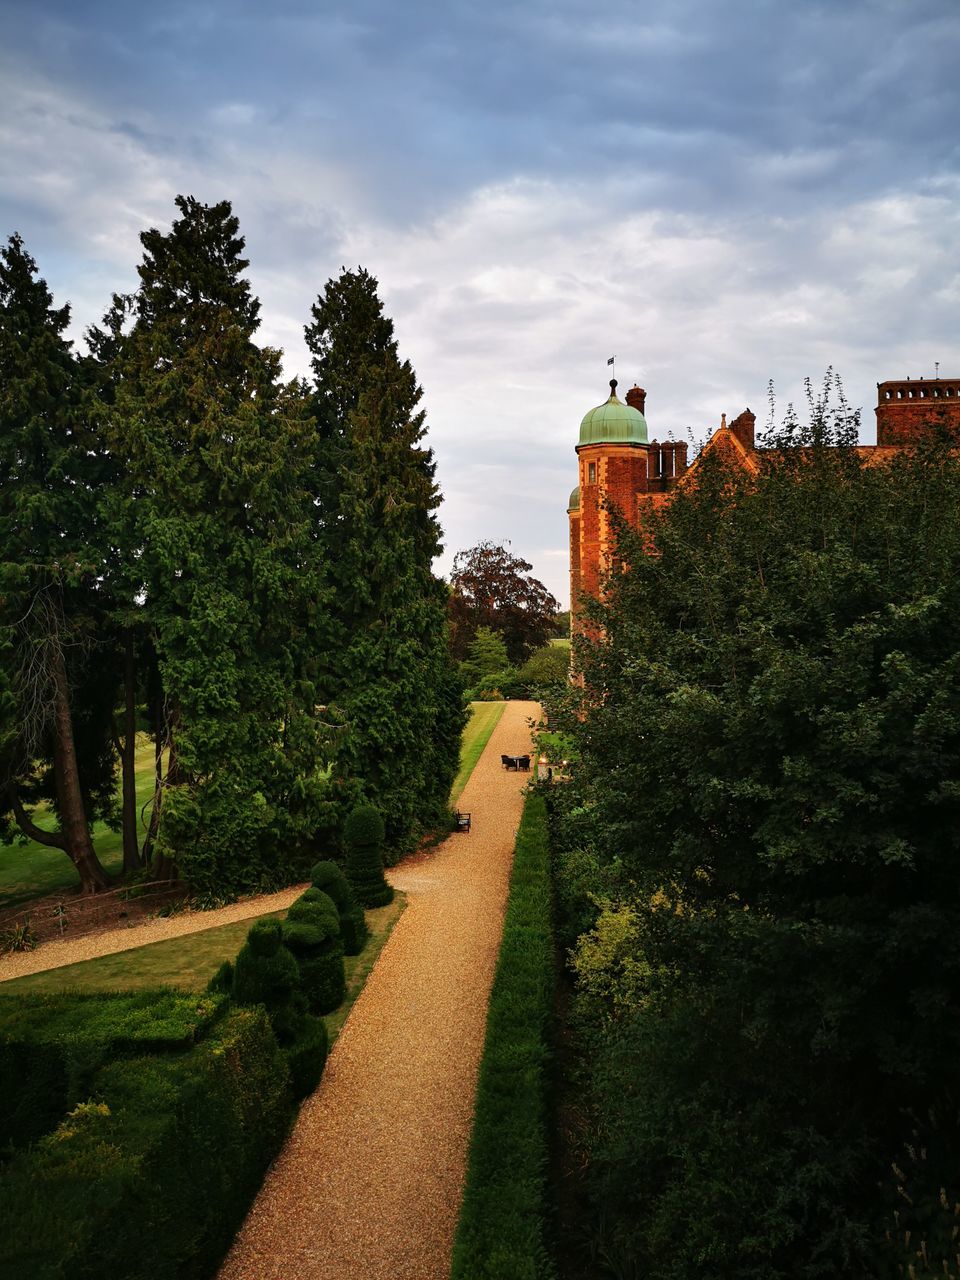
pixel 150 1177
pixel 51 1046
pixel 502 1228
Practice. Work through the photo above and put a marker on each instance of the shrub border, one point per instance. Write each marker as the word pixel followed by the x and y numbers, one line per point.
pixel 502 1229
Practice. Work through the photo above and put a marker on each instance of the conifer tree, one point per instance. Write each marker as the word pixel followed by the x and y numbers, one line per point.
pixel 220 522
pixel 391 674
pixel 123 623
pixel 48 571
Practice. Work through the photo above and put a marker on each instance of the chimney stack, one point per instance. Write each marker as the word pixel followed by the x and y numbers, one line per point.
pixel 743 428
pixel 636 398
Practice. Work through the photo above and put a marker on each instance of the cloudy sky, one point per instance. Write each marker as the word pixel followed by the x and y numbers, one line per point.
pixel 718 192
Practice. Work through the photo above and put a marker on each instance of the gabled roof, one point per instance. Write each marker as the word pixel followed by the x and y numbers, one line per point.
pixel 731 450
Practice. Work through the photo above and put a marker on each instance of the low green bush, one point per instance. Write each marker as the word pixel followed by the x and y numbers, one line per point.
pixel 329 877
pixel 547 667
pixel 503 1221
pixel 149 1177
pixel 498 686
pixel 222 981
pixel 363 835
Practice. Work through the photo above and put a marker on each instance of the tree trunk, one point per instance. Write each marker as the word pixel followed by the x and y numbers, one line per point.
pixel 73 819
pixel 52 839
pixel 131 849
pixel 158 727
pixel 164 868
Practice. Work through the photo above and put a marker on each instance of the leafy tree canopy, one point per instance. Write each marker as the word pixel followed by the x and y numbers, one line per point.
pixel 770 740
pixel 491 587
pixel 216 513
pixel 487 656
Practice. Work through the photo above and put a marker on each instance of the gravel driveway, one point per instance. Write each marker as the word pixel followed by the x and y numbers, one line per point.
pixel 370 1182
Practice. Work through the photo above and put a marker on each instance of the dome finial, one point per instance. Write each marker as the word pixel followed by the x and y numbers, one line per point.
pixel 613 386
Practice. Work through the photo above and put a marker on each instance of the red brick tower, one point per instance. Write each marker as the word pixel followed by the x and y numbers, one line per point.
pixel 907 410
pixel 619 466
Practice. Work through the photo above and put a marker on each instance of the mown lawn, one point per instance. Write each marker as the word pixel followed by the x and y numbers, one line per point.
pixel 476 735
pixel 190 961
pixel 32 870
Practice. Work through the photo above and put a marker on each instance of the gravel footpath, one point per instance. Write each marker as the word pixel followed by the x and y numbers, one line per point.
pixel 370 1182
pixel 54 955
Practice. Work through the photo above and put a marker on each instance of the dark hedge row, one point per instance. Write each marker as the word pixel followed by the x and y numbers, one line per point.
pixel 150 1171
pixel 52 1046
pixel 502 1229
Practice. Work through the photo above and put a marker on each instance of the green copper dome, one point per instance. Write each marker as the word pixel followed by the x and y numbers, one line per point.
pixel 613 423
pixel 574 503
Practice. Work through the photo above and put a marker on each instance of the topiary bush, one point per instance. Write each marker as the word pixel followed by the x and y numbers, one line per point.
pixel 222 981
pixel 329 877
pixel 311 931
pixel 363 836
pixel 267 972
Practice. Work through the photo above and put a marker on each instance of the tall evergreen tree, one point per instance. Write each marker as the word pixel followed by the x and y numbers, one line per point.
pixel 123 611
pixel 56 697
pixel 391 675
pixel 219 519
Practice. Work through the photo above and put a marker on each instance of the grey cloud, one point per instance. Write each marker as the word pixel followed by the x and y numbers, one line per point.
pixel 693 102
pixel 720 194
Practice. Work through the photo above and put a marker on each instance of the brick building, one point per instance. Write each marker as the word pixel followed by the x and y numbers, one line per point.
pixel 619 463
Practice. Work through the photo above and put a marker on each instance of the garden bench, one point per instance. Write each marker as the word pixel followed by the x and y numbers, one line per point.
pixel 463 821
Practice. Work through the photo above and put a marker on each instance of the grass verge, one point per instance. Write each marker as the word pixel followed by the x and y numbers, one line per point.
pixel 502 1227
pixel 189 962
pixel 30 870
pixel 482 722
